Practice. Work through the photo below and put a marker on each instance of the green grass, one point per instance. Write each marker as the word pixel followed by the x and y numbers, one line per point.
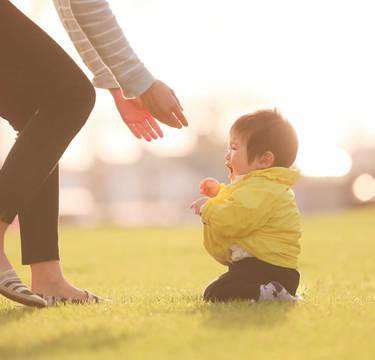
pixel 155 277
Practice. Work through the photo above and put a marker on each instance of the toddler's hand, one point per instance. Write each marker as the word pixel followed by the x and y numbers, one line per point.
pixel 197 205
pixel 209 187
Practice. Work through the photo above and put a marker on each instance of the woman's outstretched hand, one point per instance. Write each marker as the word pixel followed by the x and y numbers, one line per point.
pixel 163 104
pixel 137 118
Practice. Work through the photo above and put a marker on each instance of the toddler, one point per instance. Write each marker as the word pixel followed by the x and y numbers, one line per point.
pixel 253 225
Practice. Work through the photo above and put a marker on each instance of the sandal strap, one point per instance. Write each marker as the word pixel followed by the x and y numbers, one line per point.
pixel 53 300
pixel 8 275
pixel 90 297
pixel 56 300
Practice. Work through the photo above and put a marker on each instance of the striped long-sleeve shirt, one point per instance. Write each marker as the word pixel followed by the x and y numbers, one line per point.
pixel 102 46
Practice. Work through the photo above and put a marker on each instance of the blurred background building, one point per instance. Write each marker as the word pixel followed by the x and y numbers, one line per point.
pixel 311 60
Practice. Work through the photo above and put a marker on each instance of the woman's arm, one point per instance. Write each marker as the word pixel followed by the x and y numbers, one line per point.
pixel 103 47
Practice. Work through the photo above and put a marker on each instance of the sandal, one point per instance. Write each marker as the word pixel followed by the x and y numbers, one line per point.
pixel 57 300
pixel 12 288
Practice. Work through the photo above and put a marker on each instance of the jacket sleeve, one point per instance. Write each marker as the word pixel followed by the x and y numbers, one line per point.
pixel 103 47
pixel 236 217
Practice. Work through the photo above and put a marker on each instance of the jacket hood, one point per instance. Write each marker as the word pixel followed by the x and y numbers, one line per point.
pixel 278 174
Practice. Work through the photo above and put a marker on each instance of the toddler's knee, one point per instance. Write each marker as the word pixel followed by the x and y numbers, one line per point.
pixel 211 294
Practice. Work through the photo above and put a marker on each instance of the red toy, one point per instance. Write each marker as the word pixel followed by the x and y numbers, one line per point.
pixel 209 187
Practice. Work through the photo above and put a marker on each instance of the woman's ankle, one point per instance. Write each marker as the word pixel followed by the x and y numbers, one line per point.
pixel 48 273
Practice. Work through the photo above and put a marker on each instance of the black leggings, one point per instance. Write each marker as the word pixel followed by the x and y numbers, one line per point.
pixel 244 278
pixel 47 99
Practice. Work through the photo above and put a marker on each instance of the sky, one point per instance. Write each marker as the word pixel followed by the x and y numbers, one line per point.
pixel 313 60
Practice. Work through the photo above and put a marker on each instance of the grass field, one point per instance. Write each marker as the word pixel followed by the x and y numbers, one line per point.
pixel 155 277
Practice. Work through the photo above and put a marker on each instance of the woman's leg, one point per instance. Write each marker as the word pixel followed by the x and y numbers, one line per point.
pixel 39 242
pixel 39 81
pixel 63 96
pixel 38 221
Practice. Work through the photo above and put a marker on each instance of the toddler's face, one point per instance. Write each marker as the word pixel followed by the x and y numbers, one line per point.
pixel 236 156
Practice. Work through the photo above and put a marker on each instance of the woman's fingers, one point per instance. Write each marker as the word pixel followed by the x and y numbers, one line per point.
pixel 178 101
pixel 180 116
pixel 143 132
pixel 167 118
pixel 149 129
pixel 163 104
pixel 155 125
pixel 173 117
pixel 163 114
pixel 134 129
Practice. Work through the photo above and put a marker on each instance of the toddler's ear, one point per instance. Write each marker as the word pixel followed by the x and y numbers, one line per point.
pixel 267 159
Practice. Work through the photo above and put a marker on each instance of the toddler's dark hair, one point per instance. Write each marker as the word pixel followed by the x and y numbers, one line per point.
pixel 267 130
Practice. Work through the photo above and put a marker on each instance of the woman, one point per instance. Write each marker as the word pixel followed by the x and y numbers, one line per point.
pixel 47 99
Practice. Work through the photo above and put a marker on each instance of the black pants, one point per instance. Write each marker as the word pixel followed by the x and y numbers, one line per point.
pixel 244 278
pixel 46 98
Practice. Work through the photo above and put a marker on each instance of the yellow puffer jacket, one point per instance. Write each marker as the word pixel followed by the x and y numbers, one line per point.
pixel 258 213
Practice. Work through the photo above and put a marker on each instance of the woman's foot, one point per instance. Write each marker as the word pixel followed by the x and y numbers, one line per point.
pixel 61 288
pixel 48 280
pixel 62 292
